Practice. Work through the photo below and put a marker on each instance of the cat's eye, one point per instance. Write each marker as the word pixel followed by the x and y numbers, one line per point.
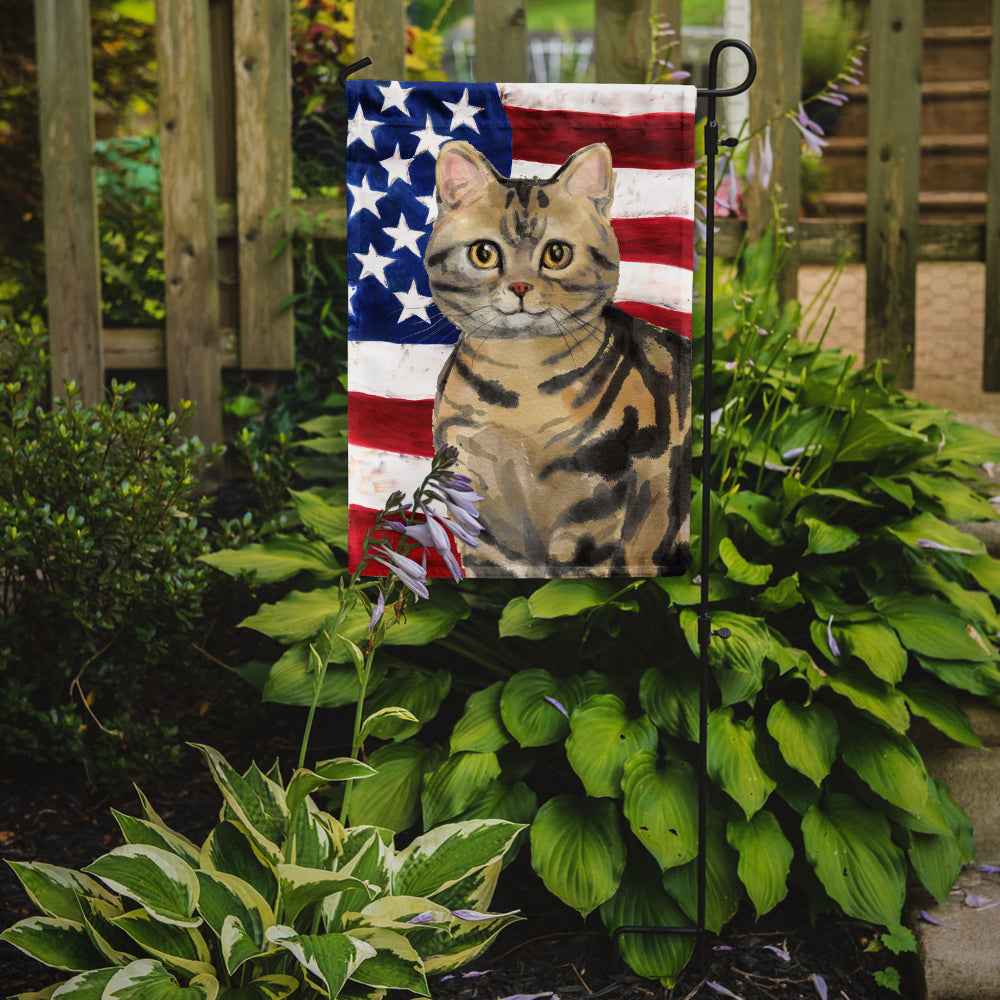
pixel 557 255
pixel 484 254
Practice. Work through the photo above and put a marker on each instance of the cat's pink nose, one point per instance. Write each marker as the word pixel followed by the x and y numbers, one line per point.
pixel 520 288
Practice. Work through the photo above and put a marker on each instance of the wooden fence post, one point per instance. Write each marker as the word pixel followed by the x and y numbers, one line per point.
pixel 893 183
pixel 72 255
pixel 991 332
pixel 776 34
pixel 501 41
pixel 190 251
pixel 380 34
pixel 262 60
pixel 622 40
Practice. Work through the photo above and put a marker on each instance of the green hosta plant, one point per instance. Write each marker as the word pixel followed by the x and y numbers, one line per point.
pixel 279 900
pixel 855 605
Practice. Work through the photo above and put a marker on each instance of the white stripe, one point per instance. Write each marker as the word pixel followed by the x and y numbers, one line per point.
pixel 373 476
pixel 396 371
pixel 603 98
pixel 657 284
pixel 638 193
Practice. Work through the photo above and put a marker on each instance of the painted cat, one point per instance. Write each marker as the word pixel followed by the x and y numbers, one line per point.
pixel 571 417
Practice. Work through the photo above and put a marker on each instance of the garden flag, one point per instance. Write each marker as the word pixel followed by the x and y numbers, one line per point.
pixel 520 277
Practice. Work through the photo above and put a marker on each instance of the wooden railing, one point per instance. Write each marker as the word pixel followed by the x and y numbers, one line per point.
pixel 226 160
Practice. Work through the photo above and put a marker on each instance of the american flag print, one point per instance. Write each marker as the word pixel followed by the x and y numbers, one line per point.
pixel 398 340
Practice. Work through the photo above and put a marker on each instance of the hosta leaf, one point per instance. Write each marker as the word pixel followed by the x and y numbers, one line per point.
pixel 56 891
pixel 147 979
pixel 739 569
pixel 765 858
pixel 578 851
pixel 86 986
pixel 937 858
pixel 738 661
pixel 976 678
pixel 661 798
pixel 180 948
pixel 783 595
pixel 291 680
pixel 330 959
pixel 366 855
pixel 327 520
pixel 387 723
pixel 641 901
pixel 976 605
pixel 807 736
pixel 870 435
pixel 54 941
pixel 723 889
pixel 671 699
pixel 758 511
pixel 888 763
pixel 418 690
pixel 141 831
pixel 866 692
pixel 516 803
pixel 481 728
pixel 225 897
pixel 876 646
pixel 230 849
pixel 827 539
pixel 932 628
pixel 391 798
pixel 456 784
pixel 529 706
pixel 301 887
pixel 601 739
pixel 957 501
pixel 466 941
pixel 274 987
pixel 441 857
pixel 941 709
pixel 559 598
pixel 928 528
pixel 986 572
pixel 98 916
pixel 517 620
pixel 304 782
pixel 732 760
pixel 850 848
pixel 159 881
pixel 280 557
pixel 395 964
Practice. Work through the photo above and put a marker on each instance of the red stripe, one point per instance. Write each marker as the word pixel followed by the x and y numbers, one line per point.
pixel 658 240
pixel 667 319
pixel 651 142
pixel 360 521
pixel 399 425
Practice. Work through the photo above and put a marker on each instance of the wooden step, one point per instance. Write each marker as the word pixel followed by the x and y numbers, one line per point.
pixel 940 13
pixel 956 53
pixel 947 162
pixel 957 206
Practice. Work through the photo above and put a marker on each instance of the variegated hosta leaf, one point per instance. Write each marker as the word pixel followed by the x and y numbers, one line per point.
pixel 177 947
pixel 141 831
pixel 256 801
pixel 304 782
pixel 395 964
pixel 475 891
pixel 481 727
pixel 329 959
pixel 723 889
pixel 467 941
pixel 578 851
pixel 642 902
pixel 86 986
pixel 732 760
pixel 367 853
pixel 160 882
pixel 765 858
pixel 535 706
pixel 661 799
pixel 230 849
pixel 807 735
pixel 441 857
pixel 456 784
pixel 225 897
pixel 300 887
pixel 55 941
pixel 602 737
pixel 274 987
pixel 116 946
pixel 315 838
pixel 56 891
pixel 850 847
pixel 147 979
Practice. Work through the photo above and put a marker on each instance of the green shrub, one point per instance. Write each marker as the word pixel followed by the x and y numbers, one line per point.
pixel 99 541
pixel 854 605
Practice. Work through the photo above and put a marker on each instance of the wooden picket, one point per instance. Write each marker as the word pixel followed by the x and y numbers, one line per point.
pixel 226 160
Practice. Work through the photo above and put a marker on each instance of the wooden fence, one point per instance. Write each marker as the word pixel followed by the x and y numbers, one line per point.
pixel 226 160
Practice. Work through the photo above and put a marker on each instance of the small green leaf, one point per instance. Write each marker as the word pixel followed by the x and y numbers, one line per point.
pixel 456 785
pixel 279 558
pixel 739 569
pixel 671 699
pixel 327 520
pixel 559 598
pixel 517 620
pixel 481 727
pixel 732 760
pixel 827 539
pixel 807 736
pixel 391 798
pixel 535 706
pixel 765 858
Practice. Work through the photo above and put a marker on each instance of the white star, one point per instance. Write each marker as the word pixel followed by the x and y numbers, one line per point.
pixel 404 236
pixel 395 97
pixel 463 113
pixel 397 167
pixel 430 141
pixel 414 304
pixel 364 197
pixel 429 202
pixel 374 264
pixel 360 128
pixel 351 289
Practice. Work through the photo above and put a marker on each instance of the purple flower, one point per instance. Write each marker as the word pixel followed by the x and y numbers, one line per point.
pixel 719 988
pixel 927 543
pixel 831 642
pixel 558 705
pixel 780 952
pixel 811 132
pixel 476 915
pixel 820 983
pixel 761 164
pixel 377 611
pixel 410 573
pixel 427 917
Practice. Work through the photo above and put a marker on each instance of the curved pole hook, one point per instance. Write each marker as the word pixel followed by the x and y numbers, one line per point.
pixel 352 68
pixel 712 90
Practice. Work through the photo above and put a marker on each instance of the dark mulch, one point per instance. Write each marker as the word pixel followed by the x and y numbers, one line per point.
pixel 551 951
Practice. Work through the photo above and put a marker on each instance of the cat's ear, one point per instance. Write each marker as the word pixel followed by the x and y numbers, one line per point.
pixel 462 172
pixel 588 173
